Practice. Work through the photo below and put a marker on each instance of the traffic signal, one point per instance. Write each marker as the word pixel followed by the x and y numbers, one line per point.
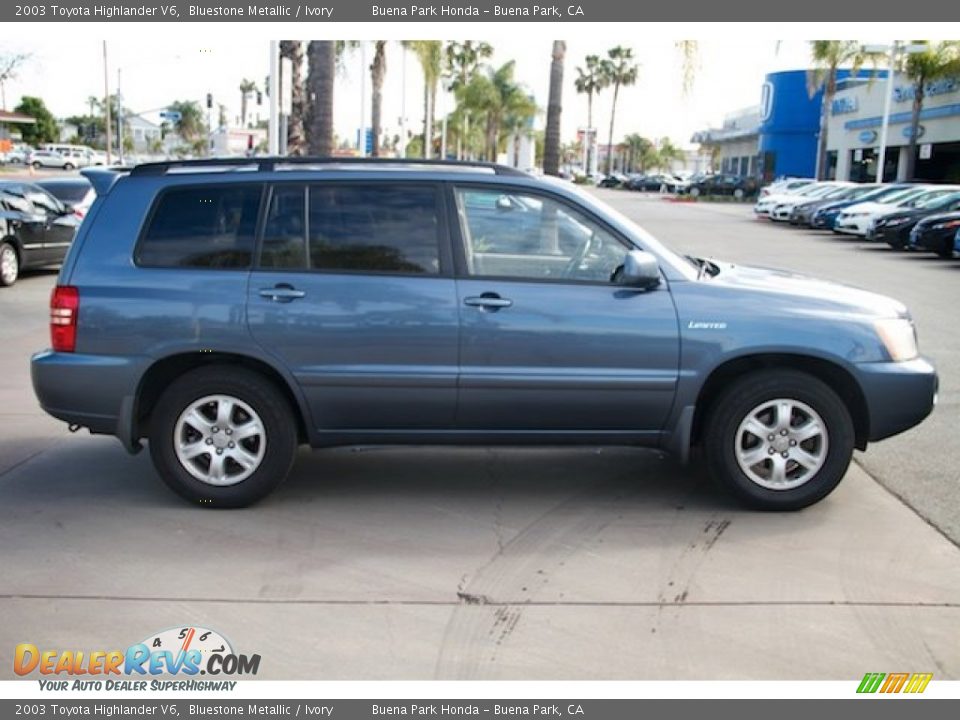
pixel 209 101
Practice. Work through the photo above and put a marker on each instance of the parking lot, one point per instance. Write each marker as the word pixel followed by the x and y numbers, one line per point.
pixel 571 563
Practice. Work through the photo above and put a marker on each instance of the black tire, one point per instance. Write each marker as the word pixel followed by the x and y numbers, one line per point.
pixel 37 165
pixel 9 276
pixel 260 394
pixel 736 403
pixel 945 250
pixel 68 166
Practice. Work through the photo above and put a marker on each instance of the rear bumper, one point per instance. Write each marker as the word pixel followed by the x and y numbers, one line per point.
pixel 899 395
pixel 92 391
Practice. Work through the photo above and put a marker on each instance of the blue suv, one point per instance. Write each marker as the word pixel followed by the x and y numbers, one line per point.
pixel 228 311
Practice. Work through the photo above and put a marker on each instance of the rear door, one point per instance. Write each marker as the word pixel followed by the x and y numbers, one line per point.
pixel 549 341
pixel 354 293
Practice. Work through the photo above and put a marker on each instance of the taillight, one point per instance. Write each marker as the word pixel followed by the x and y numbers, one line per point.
pixel 64 308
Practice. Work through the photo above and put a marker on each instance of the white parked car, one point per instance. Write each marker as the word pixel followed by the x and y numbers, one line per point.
pixel 765 205
pixel 47 158
pixel 857 219
pixel 786 186
pixel 781 211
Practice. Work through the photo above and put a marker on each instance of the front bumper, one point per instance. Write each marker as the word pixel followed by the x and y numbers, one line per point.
pixel 899 395
pixel 852 225
pixel 896 236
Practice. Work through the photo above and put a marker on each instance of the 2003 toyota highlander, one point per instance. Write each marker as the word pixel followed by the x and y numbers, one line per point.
pixel 228 311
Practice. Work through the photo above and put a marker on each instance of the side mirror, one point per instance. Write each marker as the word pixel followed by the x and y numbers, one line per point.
pixel 67 209
pixel 640 270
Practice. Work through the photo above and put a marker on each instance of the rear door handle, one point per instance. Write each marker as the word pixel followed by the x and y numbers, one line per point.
pixel 487 301
pixel 282 293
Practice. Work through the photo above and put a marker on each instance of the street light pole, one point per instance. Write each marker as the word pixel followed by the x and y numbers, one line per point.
pixel 106 100
pixel 885 124
pixel 119 118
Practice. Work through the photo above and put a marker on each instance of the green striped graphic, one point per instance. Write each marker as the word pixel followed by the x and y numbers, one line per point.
pixel 871 682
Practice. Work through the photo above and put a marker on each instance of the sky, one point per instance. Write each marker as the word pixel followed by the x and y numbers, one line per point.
pixel 155 70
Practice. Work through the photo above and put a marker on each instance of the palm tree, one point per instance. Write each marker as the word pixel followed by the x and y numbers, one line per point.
pixel 429 53
pixel 940 60
pixel 191 125
pixel 378 71
pixel 551 147
pixel 638 151
pixel 293 50
pixel 828 56
pixel 667 153
pixel 462 60
pixel 590 82
pixel 322 61
pixel 620 70
pixel 246 87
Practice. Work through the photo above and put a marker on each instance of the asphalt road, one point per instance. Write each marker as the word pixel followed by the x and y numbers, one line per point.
pixel 922 465
pixel 486 563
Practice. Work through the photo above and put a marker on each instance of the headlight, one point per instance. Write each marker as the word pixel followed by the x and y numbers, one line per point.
pixel 899 337
pixel 946 225
pixel 893 221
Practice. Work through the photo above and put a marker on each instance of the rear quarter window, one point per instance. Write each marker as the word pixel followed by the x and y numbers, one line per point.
pixel 202 227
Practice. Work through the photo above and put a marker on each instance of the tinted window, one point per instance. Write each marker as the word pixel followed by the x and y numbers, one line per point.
pixel 207 227
pixel 285 230
pixel 71 192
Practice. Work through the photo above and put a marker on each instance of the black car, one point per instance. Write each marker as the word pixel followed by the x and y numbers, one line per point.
pixel 725 184
pixel 36 229
pixel 614 180
pixel 936 233
pixel 655 183
pixel 894 229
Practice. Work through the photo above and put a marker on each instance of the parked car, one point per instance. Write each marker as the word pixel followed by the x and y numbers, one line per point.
pixel 734 185
pixel 613 180
pixel 783 208
pixel 826 215
pixel 785 186
pixel 36 229
pixel 229 316
pixel 936 233
pixel 765 205
pixel 49 159
pixel 856 219
pixel 16 156
pixel 802 213
pixel 655 183
pixel 894 228
pixel 75 192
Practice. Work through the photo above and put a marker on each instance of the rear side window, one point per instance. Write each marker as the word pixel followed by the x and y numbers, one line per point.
pixel 353 227
pixel 202 227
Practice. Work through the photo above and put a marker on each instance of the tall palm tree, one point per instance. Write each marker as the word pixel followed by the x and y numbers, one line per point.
pixel 620 71
pixel 378 71
pixel 322 61
pixel 246 87
pixel 461 62
pixel 590 81
pixel 296 140
pixel 551 146
pixel 940 60
pixel 430 54
pixel 829 56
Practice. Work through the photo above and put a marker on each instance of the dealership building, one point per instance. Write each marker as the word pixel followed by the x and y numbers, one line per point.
pixel 856 121
pixel 779 137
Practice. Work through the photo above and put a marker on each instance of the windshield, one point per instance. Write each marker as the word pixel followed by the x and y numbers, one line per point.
pixel 841 191
pixel 935 199
pixel 902 196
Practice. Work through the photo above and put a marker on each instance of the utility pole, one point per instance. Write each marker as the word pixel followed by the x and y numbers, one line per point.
pixel 273 140
pixel 119 119
pixel 106 98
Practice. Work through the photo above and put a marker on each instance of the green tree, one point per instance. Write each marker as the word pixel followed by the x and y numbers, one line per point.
pixel 667 153
pixel 378 71
pixel 246 88
pixel 429 54
pixel 461 63
pixel 590 81
pixel 620 71
pixel 191 125
pixel 551 148
pixel 640 152
pixel 45 130
pixel 322 61
pixel 940 60
pixel 828 57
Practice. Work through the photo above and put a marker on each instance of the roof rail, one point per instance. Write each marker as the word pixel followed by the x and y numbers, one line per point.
pixel 268 164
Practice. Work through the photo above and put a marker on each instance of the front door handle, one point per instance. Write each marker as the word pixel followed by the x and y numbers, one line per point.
pixel 282 293
pixel 488 301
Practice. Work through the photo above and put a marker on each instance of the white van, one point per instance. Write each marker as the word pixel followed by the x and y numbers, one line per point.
pixel 77 155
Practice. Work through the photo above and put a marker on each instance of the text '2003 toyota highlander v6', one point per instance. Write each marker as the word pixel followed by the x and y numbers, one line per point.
pixel 228 311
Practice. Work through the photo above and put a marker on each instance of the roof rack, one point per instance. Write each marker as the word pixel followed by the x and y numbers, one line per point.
pixel 269 164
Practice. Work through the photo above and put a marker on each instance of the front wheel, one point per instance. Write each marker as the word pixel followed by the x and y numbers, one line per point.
pixel 779 439
pixel 223 436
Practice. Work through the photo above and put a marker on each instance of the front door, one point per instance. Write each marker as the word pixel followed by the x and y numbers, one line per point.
pixel 354 295
pixel 549 341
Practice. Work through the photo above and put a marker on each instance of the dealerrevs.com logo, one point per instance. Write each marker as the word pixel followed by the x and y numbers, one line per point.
pixel 181 651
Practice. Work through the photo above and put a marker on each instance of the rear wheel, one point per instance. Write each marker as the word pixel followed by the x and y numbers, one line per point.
pixel 779 439
pixel 223 436
pixel 68 166
pixel 9 264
